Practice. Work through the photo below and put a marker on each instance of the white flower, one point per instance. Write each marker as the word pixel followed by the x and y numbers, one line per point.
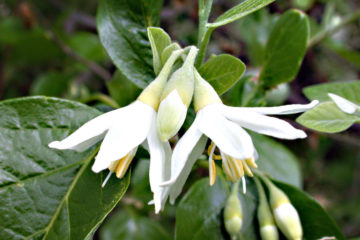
pixel 123 130
pixel 224 126
pixel 344 104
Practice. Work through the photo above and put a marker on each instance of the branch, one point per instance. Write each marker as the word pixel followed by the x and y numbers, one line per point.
pixel 333 29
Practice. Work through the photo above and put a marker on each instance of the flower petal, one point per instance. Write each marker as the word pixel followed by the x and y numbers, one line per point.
pixel 228 136
pixel 182 151
pixel 130 131
pixel 91 132
pixel 160 167
pixel 280 110
pixel 344 104
pixel 263 124
pixel 177 186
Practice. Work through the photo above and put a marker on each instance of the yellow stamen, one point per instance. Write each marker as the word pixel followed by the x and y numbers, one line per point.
pixel 121 166
pixel 211 153
pixel 240 163
pixel 251 162
pixel 247 169
pixel 212 172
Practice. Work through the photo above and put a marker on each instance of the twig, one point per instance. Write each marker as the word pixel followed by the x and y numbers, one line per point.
pixel 94 67
pixel 333 29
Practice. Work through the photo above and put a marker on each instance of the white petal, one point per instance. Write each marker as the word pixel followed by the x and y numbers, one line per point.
pixel 129 131
pixel 344 104
pixel 177 186
pixel 182 151
pixel 171 115
pixel 280 110
pixel 91 132
pixel 160 167
pixel 263 124
pixel 228 136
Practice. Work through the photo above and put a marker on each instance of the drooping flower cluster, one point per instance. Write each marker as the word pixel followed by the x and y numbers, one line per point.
pixel 158 114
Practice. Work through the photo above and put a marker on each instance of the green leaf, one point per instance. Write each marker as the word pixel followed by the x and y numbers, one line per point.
pixel 348 90
pixel 159 40
pixel 122 89
pixel 222 72
pixel 47 193
pixel 122 29
pixel 126 225
pixel 327 117
pixel 239 11
pixel 285 48
pixel 87 45
pixel 198 215
pixel 276 160
pixel 315 221
pixel 54 84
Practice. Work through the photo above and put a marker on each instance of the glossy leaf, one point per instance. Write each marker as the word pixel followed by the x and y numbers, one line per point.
pixel 348 90
pixel 222 71
pixel 47 193
pixel 285 48
pixel 127 225
pixel 327 117
pixel 198 215
pixel 159 40
pixel 122 29
pixel 276 160
pixel 315 221
pixel 239 11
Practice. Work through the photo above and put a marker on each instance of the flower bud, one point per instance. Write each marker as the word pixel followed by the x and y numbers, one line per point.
pixel 268 230
pixel 286 216
pixel 233 213
pixel 176 98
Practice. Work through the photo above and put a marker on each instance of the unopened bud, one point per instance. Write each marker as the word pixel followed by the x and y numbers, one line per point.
pixel 233 213
pixel 268 230
pixel 285 214
pixel 175 110
pixel 176 98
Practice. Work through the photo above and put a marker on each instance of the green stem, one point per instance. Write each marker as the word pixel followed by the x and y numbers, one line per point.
pixel 204 12
pixel 203 46
pixel 331 30
pixel 101 98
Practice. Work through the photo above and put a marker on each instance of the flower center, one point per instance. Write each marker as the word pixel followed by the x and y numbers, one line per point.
pixel 233 168
pixel 120 166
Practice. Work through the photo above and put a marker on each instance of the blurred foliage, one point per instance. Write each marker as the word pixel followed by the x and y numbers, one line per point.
pixel 52 48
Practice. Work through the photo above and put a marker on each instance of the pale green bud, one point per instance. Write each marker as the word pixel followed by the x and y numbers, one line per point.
pixel 176 98
pixel 268 230
pixel 286 216
pixel 175 111
pixel 233 213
